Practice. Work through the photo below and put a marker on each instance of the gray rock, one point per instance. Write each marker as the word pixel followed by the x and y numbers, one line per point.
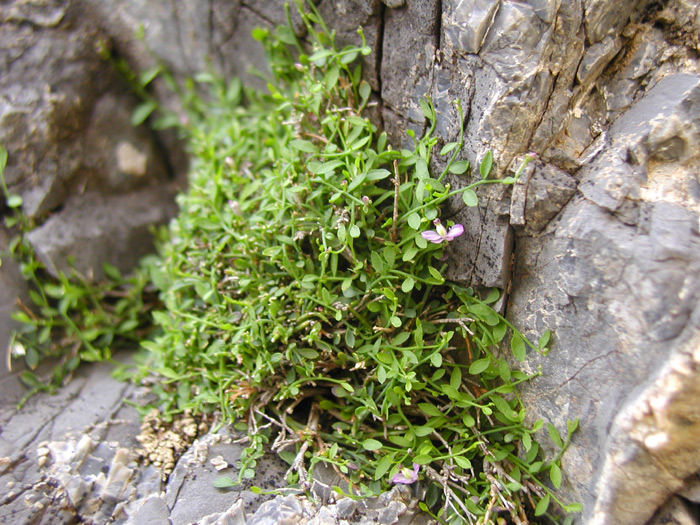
pixel 676 512
pixel 541 192
pixel 152 510
pixel 190 493
pixel 284 510
pixel 408 51
pixel 80 230
pixel 466 23
pixel 596 58
pixel 616 280
pixel 604 17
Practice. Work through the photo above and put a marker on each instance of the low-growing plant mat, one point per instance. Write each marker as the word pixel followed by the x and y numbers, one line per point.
pixel 304 300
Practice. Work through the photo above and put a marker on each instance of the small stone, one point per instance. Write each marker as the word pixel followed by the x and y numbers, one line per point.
pixel 219 463
pixel 130 160
pixel 345 508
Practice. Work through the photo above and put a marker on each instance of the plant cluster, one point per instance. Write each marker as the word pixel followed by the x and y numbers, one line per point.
pixel 305 299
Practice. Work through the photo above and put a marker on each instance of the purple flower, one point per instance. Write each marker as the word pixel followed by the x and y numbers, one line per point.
pixel 440 234
pixel 406 476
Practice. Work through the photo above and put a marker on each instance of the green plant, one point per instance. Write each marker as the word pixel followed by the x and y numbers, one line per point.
pixel 304 301
pixel 69 319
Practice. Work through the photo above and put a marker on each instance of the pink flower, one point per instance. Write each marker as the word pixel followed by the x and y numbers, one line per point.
pixel 406 476
pixel 440 234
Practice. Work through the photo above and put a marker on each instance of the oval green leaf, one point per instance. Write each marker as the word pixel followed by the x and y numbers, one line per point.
pixel 371 444
pixel 479 366
pixel 469 198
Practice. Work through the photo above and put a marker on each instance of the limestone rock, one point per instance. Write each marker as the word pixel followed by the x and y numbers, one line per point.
pixel 80 228
pixel 615 276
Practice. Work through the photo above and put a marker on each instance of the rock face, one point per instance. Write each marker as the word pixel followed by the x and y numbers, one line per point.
pixel 599 240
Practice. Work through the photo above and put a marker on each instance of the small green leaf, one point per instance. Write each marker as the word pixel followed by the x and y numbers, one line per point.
pixel 422 170
pixel 572 425
pixel 544 340
pixel 332 77
pixel 146 77
pixel 378 174
pixel 468 420
pixel 573 507
pixel 456 378
pixel 371 444
pixel 423 431
pixel 429 409
pixel 542 506
pixel 326 167
pixel 303 145
pixel 517 345
pixel 224 482
pixel 448 147
pixel 3 159
pixel 286 35
pixel 423 459
pixel 365 91
pixel 436 275
pixel 354 231
pixel 493 296
pixel 142 112
pixel 383 466
pixel 554 435
pixel 504 370
pixel 378 263
pixel 348 57
pixel 410 253
pixel 408 284
pixel 414 221
pixel 462 461
pixel 435 185
pixel 14 201
pixel 425 108
pixel 479 366
pixel 555 475
pixel 31 357
pixel 459 167
pixel 486 164
pixel 469 198
pixel 503 407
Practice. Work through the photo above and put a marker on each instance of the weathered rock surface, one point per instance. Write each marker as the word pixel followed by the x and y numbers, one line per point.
pixel 598 240
pixel 79 229
pixel 616 275
pixel 72 458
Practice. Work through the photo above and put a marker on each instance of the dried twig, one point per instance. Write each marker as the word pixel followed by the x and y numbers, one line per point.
pixel 459 320
pixel 396 182
pixel 298 463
